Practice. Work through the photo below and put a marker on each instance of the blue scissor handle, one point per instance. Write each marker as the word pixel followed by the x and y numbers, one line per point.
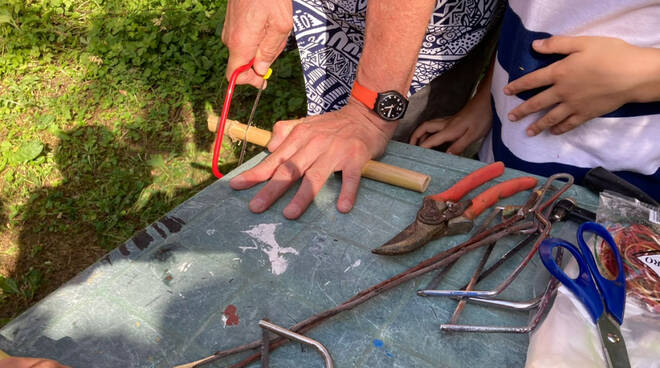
pixel 613 291
pixel 583 286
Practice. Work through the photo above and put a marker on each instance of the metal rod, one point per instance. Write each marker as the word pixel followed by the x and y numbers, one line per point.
pixel 504 258
pixel 327 359
pixel 536 319
pixel 265 348
pixel 544 303
pixel 441 274
pixel 249 123
pixel 509 304
pixel 473 281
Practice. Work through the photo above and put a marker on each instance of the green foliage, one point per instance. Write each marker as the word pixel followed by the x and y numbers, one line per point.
pixel 103 125
pixel 27 151
pixel 27 286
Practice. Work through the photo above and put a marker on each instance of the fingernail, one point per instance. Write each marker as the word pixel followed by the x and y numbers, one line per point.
pixel 537 43
pixel 512 117
pixel 237 182
pixel 507 91
pixel 257 205
pixel 344 206
pixel 261 67
pixel 530 133
pixel 291 211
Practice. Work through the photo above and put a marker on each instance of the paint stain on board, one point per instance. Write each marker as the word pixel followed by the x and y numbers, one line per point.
pixel 160 231
pixel 230 317
pixel 123 250
pixel 172 223
pixel 167 280
pixel 263 236
pixel 142 240
pixel 379 344
pixel 165 252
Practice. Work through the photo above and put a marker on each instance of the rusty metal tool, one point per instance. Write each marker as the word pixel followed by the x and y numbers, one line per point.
pixel 542 301
pixel 278 330
pixel 447 213
pixel 562 210
pixel 543 224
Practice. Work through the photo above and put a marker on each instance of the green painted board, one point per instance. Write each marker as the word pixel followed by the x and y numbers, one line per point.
pixel 166 296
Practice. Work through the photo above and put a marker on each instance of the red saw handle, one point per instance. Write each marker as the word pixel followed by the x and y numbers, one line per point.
pixel 223 117
pixel 501 190
pixel 468 183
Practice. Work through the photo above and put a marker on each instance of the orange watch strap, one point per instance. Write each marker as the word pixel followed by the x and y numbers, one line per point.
pixel 364 95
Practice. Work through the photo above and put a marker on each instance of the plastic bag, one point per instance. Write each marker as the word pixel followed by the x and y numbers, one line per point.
pixel 568 338
pixel 635 227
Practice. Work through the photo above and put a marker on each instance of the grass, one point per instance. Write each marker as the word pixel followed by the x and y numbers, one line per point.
pixel 103 108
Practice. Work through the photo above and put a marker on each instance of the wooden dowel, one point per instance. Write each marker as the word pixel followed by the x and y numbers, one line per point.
pixel 374 170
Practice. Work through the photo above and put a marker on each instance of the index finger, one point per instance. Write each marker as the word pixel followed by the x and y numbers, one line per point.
pixel 242 43
pixel 538 78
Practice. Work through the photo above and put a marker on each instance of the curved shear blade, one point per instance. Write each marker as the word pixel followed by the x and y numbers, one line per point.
pixel 413 237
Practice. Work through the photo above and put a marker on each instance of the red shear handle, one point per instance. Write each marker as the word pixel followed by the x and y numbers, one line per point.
pixel 223 117
pixel 501 190
pixel 468 183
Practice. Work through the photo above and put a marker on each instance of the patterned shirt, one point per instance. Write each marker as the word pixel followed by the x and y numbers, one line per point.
pixel 330 36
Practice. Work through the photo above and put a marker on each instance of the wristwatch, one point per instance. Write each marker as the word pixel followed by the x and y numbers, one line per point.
pixel 390 105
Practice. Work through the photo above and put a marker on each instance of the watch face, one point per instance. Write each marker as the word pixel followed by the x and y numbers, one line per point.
pixel 391 105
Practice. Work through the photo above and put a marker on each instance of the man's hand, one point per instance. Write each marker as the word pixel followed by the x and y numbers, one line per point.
pixel 598 76
pixel 256 29
pixel 16 362
pixel 313 148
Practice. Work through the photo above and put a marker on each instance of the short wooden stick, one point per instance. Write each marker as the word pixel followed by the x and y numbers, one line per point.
pixel 374 170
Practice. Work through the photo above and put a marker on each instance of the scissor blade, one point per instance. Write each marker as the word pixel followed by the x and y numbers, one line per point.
pixel 613 344
pixel 411 238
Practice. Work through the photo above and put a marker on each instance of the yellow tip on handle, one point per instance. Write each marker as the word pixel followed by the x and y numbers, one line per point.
pixel 268 73
pixel 4 355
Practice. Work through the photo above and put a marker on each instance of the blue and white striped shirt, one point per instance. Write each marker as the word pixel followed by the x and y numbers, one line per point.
pixel 625 141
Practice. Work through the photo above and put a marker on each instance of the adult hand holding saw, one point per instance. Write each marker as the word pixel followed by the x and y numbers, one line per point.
pixel 344 140
pixel 258 30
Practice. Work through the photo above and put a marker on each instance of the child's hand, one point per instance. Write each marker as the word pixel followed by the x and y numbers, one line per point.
pixel 468 125
pixel 598 76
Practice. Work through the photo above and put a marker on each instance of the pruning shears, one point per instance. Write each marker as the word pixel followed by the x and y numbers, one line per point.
pixel 447 213
pixel 225 112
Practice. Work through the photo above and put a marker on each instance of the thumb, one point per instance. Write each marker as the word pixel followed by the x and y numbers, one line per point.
pixel 270 47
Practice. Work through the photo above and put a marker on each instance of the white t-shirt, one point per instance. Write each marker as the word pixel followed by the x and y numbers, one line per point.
pixel 626 141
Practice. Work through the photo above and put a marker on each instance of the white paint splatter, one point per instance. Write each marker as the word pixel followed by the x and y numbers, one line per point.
pixel 265 236
pixel 184 266
pixel 326 283
pixel 354 265
pixel 243 249
pixel 224 321
pixel 210 232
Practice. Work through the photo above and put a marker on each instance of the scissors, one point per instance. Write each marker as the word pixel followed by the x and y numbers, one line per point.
pixel 604 299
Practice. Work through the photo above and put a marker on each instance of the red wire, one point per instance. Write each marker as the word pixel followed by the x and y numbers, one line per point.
pixel 223 117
